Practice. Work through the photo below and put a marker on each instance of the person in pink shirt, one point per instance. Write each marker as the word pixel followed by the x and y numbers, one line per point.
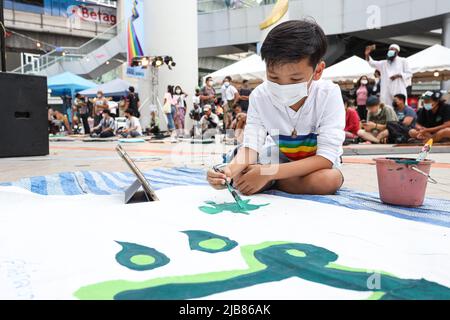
pixel 352 121
pixel 362 92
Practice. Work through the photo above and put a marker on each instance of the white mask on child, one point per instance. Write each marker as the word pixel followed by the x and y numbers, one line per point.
pixel 289 94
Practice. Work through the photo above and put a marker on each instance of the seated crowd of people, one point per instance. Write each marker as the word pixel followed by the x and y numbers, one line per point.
pixel 399 123
pixel 230 109
pixel 368 119
pixel 96 117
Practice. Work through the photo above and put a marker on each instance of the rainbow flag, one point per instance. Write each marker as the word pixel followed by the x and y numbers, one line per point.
pixel 134 46
pixel 298 148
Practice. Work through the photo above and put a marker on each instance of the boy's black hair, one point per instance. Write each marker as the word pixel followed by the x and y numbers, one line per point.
pixel 401 96
pixel 131 89
pixel 208 78
pixel 294 40
pixel 228 78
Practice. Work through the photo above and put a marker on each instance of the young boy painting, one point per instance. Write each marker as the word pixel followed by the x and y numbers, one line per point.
pixel 295 123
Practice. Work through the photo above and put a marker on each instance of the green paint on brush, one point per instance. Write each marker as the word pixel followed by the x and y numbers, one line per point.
pixel 244 207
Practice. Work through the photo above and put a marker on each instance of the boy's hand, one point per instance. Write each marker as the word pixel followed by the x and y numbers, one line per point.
pixel 217 179
pixel 252 181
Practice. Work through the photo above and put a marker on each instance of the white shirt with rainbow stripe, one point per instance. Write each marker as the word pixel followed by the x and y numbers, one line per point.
pixel 319 123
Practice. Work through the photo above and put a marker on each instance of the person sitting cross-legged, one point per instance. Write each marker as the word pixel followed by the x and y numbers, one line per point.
pixel 398 132
pixel 375 128
pixel 433 120
pixel 106 127
pixel 133 127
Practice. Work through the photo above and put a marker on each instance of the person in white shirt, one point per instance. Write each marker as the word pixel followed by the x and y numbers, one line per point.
pixel 396 75
pixel 133 126
pixel 209 123
pixel 295 124
pixel 230 95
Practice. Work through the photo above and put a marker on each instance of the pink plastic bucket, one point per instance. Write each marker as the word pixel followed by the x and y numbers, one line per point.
pixel 403 181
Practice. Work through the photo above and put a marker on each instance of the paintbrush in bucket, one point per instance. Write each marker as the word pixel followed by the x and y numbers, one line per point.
pixel 425 151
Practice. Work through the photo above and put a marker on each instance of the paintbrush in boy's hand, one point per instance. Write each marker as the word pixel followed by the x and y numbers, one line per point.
pixel 233 192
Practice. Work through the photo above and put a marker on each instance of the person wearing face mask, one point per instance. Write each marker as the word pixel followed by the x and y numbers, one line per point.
pixel 433 120
pixel 294 128
pixel 398 132
pixel 100 104
pixel 231 97
pixel 395 73
pixel 208 94
pixel 362 92
pixel 133 127
pixel 106 127
pixel 379 114
pixel 179 99
pixel 169 108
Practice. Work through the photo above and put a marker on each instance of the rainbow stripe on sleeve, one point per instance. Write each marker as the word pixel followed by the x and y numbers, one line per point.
pixel 298 148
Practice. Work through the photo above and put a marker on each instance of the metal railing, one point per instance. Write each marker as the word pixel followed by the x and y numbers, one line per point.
pixel 68 54
pixel 208 6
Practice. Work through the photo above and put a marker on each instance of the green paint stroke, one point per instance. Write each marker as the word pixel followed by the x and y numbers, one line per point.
pixel 140 258
pixel 268 262
pixel 209 242
pixel 213 244
pixel 107 290
pixel 244 207
pixel 296 253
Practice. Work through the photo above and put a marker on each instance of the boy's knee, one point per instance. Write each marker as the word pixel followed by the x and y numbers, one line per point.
pixel 330 182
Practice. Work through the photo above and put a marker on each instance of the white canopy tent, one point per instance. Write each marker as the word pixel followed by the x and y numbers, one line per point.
pixel 251 68
pixel 348 70
pixel 432 63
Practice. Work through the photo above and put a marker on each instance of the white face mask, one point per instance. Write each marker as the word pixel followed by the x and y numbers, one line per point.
pixel 227 84
pixel 290 94
pixel 178 91
pixel 364 82
pixel 428 106
pixel 391 53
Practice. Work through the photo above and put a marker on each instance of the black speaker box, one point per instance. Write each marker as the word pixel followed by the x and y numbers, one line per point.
pixel 23 115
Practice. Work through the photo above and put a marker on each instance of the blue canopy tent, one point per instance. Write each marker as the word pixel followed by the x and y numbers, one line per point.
pixel 68 83
pixel 114 88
